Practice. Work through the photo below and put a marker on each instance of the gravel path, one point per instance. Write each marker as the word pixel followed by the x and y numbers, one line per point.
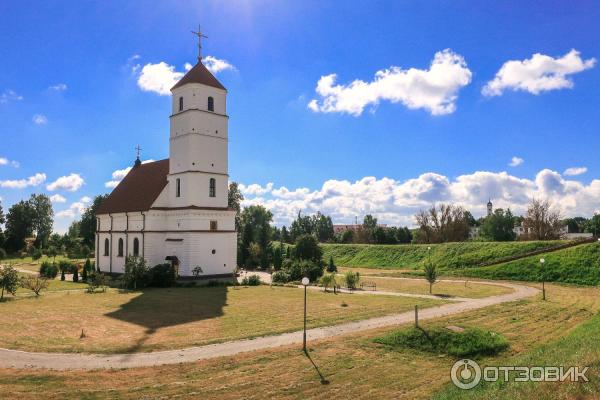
pixel 59 361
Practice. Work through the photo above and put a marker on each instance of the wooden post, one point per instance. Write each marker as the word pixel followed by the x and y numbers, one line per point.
pixel 416 316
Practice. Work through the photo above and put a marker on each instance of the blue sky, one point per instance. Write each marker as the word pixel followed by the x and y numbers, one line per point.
pixel 74 67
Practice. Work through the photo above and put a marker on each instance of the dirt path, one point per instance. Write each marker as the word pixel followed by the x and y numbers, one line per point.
pixel 60 361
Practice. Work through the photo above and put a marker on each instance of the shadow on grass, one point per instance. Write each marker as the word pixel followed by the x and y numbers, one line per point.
pixel 321 376
pixel 159 308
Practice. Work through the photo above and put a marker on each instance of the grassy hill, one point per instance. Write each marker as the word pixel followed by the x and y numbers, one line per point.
pixel 445 256
pixel 578 265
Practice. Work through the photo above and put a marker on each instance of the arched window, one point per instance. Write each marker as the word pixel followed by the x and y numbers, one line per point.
pixel 120 252
pixel 136 247
pixel 212 189
pixel 181 104
pixel 106 247
pixel 178 187
pixel 211 104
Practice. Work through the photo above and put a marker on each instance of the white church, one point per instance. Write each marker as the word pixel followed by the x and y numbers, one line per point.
pixel 176 210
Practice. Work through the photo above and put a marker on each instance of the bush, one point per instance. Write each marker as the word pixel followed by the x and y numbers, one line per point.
pixel 136 272
pixel 75 275
pixel 48 270
pixel 34 283
pixel 252 280
pixel 295 270
pixel 161 275
pixel 327 281
pixel 36 254
pixel 9 280
pixel 469 343
pixel 66 266
pixel 351 279
pixel 2 254
pixel 280 277
pixel 97 280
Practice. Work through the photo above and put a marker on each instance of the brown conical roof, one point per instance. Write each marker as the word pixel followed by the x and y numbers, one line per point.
pixel 199 74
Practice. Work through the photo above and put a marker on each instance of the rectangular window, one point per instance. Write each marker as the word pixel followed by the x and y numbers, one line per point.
pixel 181 104
pixel 213 225
pixel 177 187
pixel 212 188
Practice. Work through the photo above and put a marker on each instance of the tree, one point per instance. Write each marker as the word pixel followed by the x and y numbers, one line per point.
pixel 234 201
pixel 135 272
pixel 593 225
pixel 499 226
pixel 327 280
pixel 42 218
pixel 9 280
pixel 285 235
pixel 255 227
pixel 323 227
pixel 87 225
pixel 52 252
pixel 75 275
pixel 74 230
pixel 34 283
pixel 307 248
pixel 302 225
pixel 430 275
pixel 278 257
pixel 352 279
pixel 331 266
pixel 576 225
pixel 19 225
pixel 541 222
pixel 446 223
pixel 2 221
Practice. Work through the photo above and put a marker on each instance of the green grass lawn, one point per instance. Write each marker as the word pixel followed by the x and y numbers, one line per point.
pixel 160 319
pixel 29 264
pixel 445 256
pixel 578 265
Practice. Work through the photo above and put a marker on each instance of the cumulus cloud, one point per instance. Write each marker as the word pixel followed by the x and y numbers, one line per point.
pixel 70 182
pixel 119 174
pixel 216 65
pixel 75 209
pixel 395 202
pixel 538 74
pixel 516 161
pixel 574 171
pixel 6 161
pixel 434 89
pixel 39 119
pixel 9 95
pixel 158 78
pixel 59 87
pixel 57 198
pixel 34 180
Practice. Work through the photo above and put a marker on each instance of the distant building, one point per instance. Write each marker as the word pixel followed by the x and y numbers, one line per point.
pixel 490 208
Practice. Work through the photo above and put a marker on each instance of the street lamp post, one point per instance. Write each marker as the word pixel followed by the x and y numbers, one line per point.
pixel 305 283
pixel 542 261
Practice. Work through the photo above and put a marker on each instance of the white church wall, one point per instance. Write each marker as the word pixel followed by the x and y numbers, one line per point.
pixel 193 152
pixel 199 252
pixel 195 190
pixel 118 262
pixel 199 122
pixel 196 95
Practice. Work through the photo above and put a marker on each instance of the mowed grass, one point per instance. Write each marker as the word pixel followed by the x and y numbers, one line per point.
pixel 354 366
pixel 578 265
pixel 29 264
pixel 472 290
pixel 160 319
pixel 445 255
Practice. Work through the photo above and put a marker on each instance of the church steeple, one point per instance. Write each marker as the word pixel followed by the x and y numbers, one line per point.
pixel 490 207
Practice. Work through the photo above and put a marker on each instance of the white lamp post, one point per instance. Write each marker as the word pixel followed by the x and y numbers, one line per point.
pixel 305 282
pixel 542 261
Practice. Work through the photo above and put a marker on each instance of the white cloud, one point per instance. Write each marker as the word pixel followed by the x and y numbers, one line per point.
pixel 9 95
pixel 6 161
pixel 39 119
pixel 59 87
pixel 118 175
pixel 187 66
pixel 574 171
pixel 516 161
pixel 396 202
pixel 75 209
pixel 434 89
pixel 540 73
pixel 216 65
pixel 158 78
pixel 34 180
pixel 57 198
pixel 70 182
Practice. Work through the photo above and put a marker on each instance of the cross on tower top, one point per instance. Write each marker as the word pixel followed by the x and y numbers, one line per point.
pixel 138 150
pixel 200 35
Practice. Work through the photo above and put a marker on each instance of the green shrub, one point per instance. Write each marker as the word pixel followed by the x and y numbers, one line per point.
pixel 97 280
pixel 327 280
pixel 66 266
pixel 136 272
pixel 2 254
pixel 471 342
pixel 9 280
pixel 161 275
pixel 252 280
pixel 48 270
pixel 280 277
pixel 331 266
pixel 351 279
pixel 307 248
pixel 36 254
pixel 76 276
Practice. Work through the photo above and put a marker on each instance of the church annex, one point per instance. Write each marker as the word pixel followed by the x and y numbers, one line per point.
pixel 176 210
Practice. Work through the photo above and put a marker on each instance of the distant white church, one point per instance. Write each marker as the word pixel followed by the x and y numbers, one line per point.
pixel 176 210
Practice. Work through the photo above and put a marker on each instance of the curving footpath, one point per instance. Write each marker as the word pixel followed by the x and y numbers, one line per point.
pixel 62 361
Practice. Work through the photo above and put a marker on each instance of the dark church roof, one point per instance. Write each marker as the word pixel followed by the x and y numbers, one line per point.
pixel 138 190
pixel 199 74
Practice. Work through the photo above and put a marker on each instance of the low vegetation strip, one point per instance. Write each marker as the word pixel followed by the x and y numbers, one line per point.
pixel 579 265
pixel 444 256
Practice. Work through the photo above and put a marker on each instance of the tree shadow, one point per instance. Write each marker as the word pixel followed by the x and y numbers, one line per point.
pixel 321 376
pixel 155 308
